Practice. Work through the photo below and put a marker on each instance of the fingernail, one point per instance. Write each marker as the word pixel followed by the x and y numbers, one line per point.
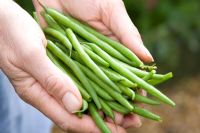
pixel 70 102
pixel 148 54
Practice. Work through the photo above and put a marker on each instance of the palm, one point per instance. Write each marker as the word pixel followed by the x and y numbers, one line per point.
pixel 96 16
pixel 108 17
pixel 88 13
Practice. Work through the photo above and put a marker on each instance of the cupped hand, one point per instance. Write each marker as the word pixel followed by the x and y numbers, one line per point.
pixel 107 16
pixel 35 78
pixel 111 19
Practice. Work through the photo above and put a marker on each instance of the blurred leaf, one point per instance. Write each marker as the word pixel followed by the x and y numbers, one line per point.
pixel 27 5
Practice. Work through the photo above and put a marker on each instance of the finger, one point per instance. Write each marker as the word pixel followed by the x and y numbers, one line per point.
pixel 90 126
pixel 49 3
pixel 118 118
pixel 131 120
pixel 51 78
pixel 143 93
pixel 117 19
pixel 40 99
pixel 115 128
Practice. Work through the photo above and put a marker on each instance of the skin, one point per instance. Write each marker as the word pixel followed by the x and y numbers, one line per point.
pixel 38 81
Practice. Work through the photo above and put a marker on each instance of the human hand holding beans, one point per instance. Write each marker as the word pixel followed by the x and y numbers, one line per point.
pixel 38 81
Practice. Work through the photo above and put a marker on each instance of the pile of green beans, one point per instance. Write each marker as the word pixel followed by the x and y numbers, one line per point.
pixel 108 75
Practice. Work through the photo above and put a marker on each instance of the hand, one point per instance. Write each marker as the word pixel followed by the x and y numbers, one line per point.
pixel 110 18
pixel 35 78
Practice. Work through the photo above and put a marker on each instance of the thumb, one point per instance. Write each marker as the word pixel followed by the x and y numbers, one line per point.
pixel 123 28
pixel 56 83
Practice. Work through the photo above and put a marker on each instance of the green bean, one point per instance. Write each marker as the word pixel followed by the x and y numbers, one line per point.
pixel 62 38
pixel 137 110
pixel 52 23
pixel 84 107
pixel 114 76
pixel 106 109
pixel 117 107
pixel 118 46
pixel 48 37
pixel 127 91
pixel 76 57
pixel 131 76
pixel 115 95
pixel 118 78
pixel 36 17
pixel 143 99
pixel 95 57
pixel 155 82
pixel 165 78
pixel 80 39
pixel 88 61
pixel 149 76
pixel 149 68
pixel 80 75
pixel 79 114
pixel 84 93
pixel 85 44
pixel 141 73
pixel 126 97
pixel 63 48
pixel 97 119
pixel 126 82
pixel 103 94
pixel 145 113
pixel 64 20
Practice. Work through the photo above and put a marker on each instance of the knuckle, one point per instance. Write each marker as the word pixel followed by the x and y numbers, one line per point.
pixel 83 128
pixel 54 84
pixel 23 94
pixel 64 126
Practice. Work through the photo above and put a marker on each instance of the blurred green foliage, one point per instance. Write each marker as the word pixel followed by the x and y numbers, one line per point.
pixel 170 29
pixel 26 4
